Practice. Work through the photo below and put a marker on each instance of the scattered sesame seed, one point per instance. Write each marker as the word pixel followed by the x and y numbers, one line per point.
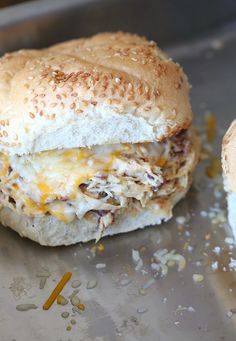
pixel 42 282
pixel 65 314
pixel 198 278
pixel 217 250
pixel 142 310
pixel 214 265
pixel 75 300
pixel 62 300
pixel 148 284
pixel 181 220
pixel 125 281
pixel 230 241
pixel 229 314
pixel 81 306
pixel 26 307
pixel 76 283
pixel 100 266
pixel 92 284
pixel 142 292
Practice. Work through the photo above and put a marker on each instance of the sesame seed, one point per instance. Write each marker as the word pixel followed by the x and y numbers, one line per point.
pixel 31 115
pixel 15 137
pixel 85 103
pixel 53 105
pixel 134 59
pixel 177 85
pixel 130 86
pixel 72 106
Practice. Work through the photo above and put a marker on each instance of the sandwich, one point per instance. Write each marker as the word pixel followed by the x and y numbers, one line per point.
pixel 95 138
pixel 229 173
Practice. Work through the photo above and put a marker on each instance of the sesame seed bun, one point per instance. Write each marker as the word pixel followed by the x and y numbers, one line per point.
pixel 110 88
pixel 229 173
pixel 229 157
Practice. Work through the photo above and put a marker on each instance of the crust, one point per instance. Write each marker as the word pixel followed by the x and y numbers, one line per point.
pixel 49 231
pixel 229 157
pixel 110 88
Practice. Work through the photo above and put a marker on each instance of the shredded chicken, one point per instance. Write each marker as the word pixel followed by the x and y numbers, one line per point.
pixel 109 179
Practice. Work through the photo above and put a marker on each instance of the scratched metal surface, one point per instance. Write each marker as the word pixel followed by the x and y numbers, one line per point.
pixel 111 308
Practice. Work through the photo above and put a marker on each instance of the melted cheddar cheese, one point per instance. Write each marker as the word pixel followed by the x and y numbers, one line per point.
pixel 49 182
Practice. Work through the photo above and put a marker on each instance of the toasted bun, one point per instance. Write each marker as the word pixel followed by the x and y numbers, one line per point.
pixel 229 158
pixel 110 88
pixel 47 230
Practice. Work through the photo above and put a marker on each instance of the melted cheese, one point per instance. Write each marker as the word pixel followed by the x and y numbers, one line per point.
pixel 45 191
pixel 45 180
pixel 59 173
pixel 4 164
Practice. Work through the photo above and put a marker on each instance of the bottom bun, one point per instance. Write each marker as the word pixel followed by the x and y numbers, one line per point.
pixel 47 230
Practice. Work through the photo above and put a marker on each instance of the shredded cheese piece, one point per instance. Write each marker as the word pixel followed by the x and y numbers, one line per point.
pixel 45 191
pixel 214 168
pixel 66 277
pixel 100 247
pixel 161 162
pixel 81 306
pixel 198 278
pixel 210 127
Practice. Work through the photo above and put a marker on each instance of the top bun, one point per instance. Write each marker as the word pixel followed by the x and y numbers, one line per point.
pixel 229 158
pixel 110 88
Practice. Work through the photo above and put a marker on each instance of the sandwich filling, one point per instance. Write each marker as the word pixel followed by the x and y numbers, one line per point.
pixel 70 184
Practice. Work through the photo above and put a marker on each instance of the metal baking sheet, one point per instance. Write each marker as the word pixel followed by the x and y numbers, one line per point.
pixel 174 307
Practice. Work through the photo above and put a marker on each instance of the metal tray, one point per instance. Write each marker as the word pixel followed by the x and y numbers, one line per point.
pixel 177 308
